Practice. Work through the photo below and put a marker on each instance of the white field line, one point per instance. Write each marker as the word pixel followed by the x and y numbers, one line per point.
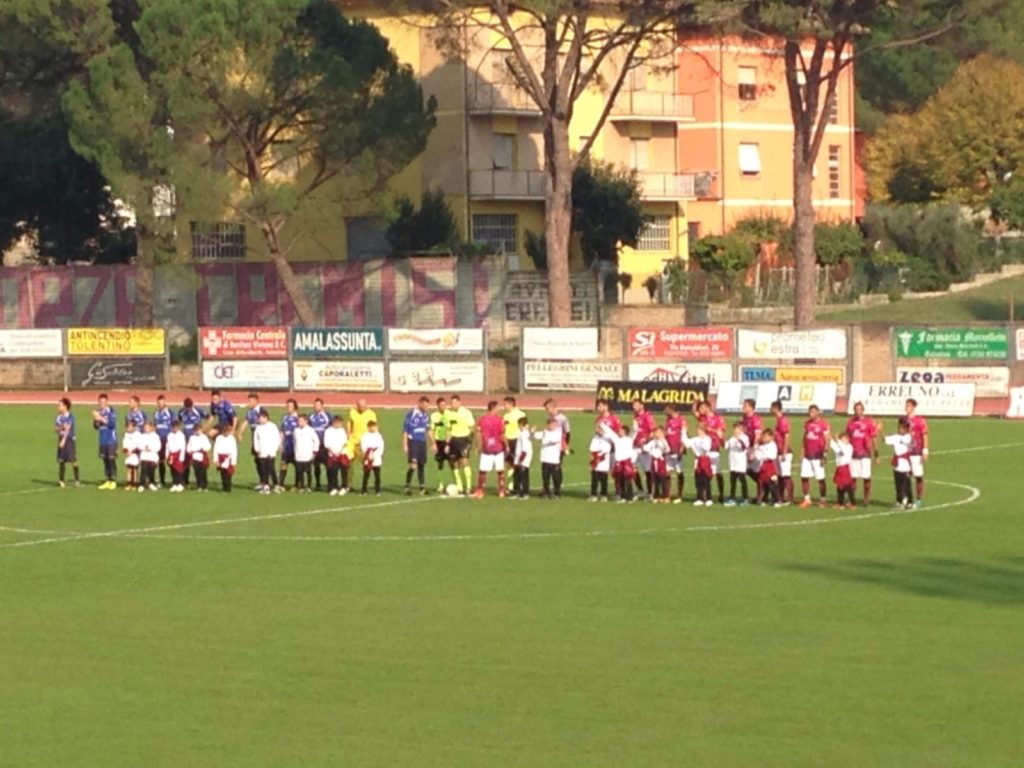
pixel 160 532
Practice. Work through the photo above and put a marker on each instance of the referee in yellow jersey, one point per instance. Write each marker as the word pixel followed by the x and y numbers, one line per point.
pixel 358 420
pixel 460 438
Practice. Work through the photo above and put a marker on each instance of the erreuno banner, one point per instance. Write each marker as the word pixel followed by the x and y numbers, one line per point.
pixel 890 398
pixel 326 343
pixel 681 343
pixel 244 342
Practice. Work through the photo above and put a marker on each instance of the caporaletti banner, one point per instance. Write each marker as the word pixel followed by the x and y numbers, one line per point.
pixel 334 376
pixel 244 342
pixel 890 398
pixel 820 344
pixel 36 343
pixel 681 343
pixel 338 342
pixel 435 340
pixel 117 342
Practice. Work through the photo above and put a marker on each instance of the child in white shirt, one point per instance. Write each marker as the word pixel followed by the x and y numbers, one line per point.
pixel 600 465
pixel 737 447
pixel 658 450
pixel 130 447
pixel 901 443
pixel 307 444
pixel 175 454
pixel 199 455
pixel 225 452
pixel 703 469
pixel 335 442
pixel 843 478
pixel 767 456
pixel 552 441
pixel 266 443
pixel 625 468
pixel 522 460
pixel 149 456
pixel 372 447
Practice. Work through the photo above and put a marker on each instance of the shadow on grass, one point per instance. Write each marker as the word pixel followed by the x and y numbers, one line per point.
pixel 950 578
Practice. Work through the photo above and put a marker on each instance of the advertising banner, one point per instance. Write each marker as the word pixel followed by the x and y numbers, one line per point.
pixel 681 343
pixel 244 343
pixel 821 344
pixel 795 398
pixel 436 340
pixel 655 395
pixel 338 342
pixel 711 374
pixel 953 343
pixel 323 376
pixel 560 344
pixel 111 373
pixel 43 342
pixel 1015 410
pixel 1020 344
pixel 118 342
pixel 246 374
pixel 450 376
pixel 988 381
pixel 794 374
pixel 568 376
pixel 890 398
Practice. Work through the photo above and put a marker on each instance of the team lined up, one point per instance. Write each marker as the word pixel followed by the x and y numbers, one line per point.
pixel 639 459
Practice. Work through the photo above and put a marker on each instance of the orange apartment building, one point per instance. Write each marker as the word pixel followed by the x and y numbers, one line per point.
pixel 742 129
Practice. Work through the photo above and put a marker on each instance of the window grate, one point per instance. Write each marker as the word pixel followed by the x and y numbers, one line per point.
pixel 656 235
pixel 497 231
pixel 218 240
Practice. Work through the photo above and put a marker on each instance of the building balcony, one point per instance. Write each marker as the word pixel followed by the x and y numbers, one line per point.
pixel 667 186
pixel 652 107
pixel 502 99
pixel 506 185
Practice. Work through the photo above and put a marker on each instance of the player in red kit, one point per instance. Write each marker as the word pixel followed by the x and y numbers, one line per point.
pixel 491 428
pixel 714 425
pixel 643 427
pixel 816 443
pixel 918 448
pixel 675 434
pixel 785 461
pixel 607 423
pixel 863 432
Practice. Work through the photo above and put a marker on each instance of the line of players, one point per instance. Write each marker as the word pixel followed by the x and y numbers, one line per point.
pixel 642 459
pixel 639 460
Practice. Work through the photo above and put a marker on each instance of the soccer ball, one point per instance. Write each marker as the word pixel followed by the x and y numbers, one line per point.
pixel 453 490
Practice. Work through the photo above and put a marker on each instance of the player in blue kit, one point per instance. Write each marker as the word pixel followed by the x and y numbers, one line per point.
pixel 162 420
pixel 104 421
pixel 252 420
pixel 135 414
pixel 222 414
pixel 191 417
pixel 67 451
pixel 319 420
pixel 289 423
pixel 415 431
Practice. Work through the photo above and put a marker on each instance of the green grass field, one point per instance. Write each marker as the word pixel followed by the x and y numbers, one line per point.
pixel 215 630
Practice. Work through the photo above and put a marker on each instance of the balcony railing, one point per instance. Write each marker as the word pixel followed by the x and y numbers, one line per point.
pixel 667 186
pixel 652 105
pixel 490 98
pixel 506 185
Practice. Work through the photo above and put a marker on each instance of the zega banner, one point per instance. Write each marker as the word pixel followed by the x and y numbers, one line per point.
pixel 244 343
pixel 107 373
pixel 654 395
pixel 338 342
pixel 560 344
pixel 568 376
pixel 681 343
pixel 326 376
pixel 889 399
pixel 245 374
pixel 435 340
pixel 794 374
pixel 824 344
pixel 36 343
pixel 711 374
pixel 953 343
pixel 436 376
pixel 795 398
pixel 988 381
pixel 119 342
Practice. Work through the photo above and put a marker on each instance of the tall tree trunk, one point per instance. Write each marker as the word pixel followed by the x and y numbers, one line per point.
pixel 145 278
pixel 285 273
pixel 806 292
pixel 558 220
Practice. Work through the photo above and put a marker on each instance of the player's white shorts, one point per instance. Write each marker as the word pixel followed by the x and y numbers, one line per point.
pixel 492 462
pixel 643 462
pixel 917 466
pixel 786 465
pixel 674 463
pixel 861 469
pixel 812 468
pixel 715 468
